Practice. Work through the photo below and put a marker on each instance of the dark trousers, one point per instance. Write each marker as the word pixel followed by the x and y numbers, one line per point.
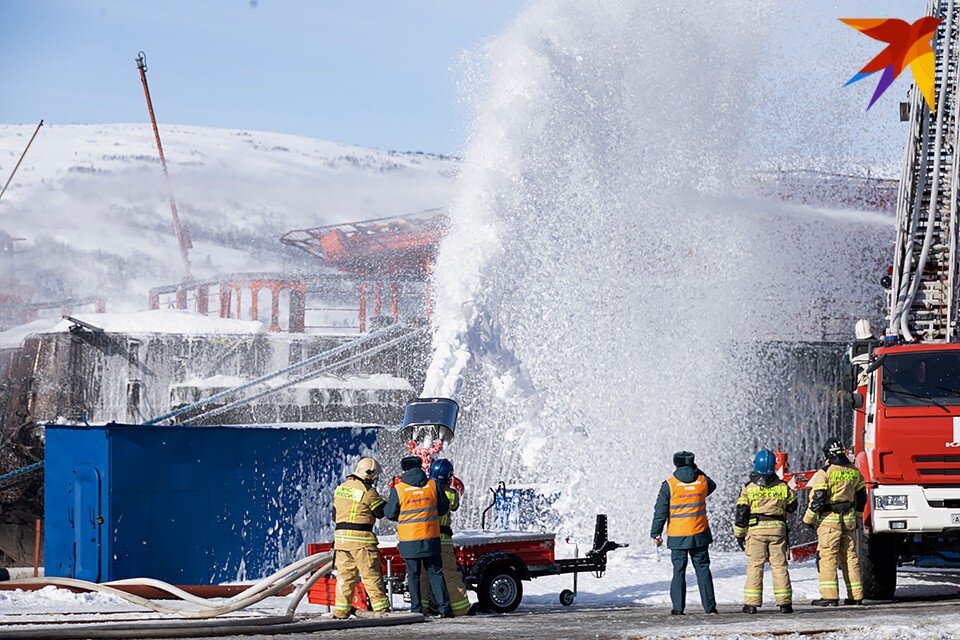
pixel 701 565
pixel 434 568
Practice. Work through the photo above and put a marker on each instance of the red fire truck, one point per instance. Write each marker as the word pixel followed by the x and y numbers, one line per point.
pixel 905 384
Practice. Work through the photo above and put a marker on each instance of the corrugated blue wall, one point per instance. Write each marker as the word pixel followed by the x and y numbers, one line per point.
pixel 186 504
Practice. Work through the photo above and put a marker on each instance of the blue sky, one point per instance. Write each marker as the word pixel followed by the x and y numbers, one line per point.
pixel 375 73
pixel 380 73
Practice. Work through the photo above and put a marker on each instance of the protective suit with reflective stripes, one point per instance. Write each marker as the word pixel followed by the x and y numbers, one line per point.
pixel 837 500
pixel 760 522
pixel 356 507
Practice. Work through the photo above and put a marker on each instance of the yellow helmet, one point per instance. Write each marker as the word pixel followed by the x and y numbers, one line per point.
pixel 367 469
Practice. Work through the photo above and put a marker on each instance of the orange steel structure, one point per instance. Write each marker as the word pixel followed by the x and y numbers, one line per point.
pixel 380 251
pixel 231 291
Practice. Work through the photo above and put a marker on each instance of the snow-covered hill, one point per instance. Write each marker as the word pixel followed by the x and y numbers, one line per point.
pixel 91 202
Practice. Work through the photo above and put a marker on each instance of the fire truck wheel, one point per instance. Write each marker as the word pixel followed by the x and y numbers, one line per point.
pixel 566 597
pixel 878 565
pixel 500 590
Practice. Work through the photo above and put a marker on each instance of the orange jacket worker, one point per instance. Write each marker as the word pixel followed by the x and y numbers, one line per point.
pixel 682 507
pixel 416 504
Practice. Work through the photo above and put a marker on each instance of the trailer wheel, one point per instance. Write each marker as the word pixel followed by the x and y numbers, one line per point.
pixel 566 597
pixel 878 556
pixel 500 590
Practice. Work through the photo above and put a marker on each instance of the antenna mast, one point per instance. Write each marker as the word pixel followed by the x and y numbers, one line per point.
pixel 182 240
pixel 17 166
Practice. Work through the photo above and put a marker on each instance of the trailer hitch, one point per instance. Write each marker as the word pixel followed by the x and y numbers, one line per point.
pixel 602 545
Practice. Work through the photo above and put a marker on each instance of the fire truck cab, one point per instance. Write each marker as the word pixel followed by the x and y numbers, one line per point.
pixel 907 446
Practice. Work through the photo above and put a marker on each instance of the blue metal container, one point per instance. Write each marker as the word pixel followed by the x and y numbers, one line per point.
pixel 190 504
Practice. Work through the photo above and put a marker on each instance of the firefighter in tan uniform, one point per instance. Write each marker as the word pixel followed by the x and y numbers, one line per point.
pixel 838 497
pixel 356 507
pixel 442 472
pixel 760 527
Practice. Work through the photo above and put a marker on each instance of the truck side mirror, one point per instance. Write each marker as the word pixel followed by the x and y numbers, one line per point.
pixel 847 379
pixel 857 398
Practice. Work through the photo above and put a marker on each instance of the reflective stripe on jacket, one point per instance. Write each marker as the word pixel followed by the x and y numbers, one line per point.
pixel 840 483
pixel 446 530
pixel 354 504
pixel 688 507
pixel 418 519
pixel 765 507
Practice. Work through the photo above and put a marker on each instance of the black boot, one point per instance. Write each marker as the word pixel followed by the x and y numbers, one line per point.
pixel 823 602
pixel 674 612
pixel 786 608
pixel 748 608
pixel 851 601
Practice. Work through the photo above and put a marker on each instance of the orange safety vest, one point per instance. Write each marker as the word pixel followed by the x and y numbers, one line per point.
pixel 688 507
pixel 419 519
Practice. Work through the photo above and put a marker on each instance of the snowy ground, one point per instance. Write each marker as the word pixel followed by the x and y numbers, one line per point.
pixel 631 600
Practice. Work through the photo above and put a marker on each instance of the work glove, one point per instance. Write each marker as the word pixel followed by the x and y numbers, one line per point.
pixel 657 540
pixel 742 543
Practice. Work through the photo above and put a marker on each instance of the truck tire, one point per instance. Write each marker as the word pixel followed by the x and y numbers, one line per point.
pixel 500 590
pixel 878 555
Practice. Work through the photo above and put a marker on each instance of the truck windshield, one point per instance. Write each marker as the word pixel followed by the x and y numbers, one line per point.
pixel 928 378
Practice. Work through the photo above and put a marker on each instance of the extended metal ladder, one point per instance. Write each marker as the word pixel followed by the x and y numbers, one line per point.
pixel 923 295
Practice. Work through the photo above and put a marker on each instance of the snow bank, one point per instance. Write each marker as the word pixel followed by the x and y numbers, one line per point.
pixel 52 599
pixel 164 321
pixel 12 338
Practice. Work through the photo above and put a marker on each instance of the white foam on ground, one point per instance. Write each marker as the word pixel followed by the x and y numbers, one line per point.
pixel 636 577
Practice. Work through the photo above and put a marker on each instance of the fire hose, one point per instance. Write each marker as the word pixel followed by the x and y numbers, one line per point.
pixel 312 567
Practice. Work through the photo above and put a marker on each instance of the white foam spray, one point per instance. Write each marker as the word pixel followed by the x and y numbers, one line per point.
pixel 608 277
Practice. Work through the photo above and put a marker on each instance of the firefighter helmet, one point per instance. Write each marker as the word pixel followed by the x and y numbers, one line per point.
pixel 442 471
pixel 834 449
pixel 367 469
pixel 764 462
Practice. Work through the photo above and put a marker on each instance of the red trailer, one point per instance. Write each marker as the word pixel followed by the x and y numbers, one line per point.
pixel 493 563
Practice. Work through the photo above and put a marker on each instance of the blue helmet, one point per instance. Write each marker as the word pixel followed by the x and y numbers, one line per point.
pixel 764 463
pixel 442 471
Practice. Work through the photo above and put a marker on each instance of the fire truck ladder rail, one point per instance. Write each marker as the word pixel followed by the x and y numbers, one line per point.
pixel 922 297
